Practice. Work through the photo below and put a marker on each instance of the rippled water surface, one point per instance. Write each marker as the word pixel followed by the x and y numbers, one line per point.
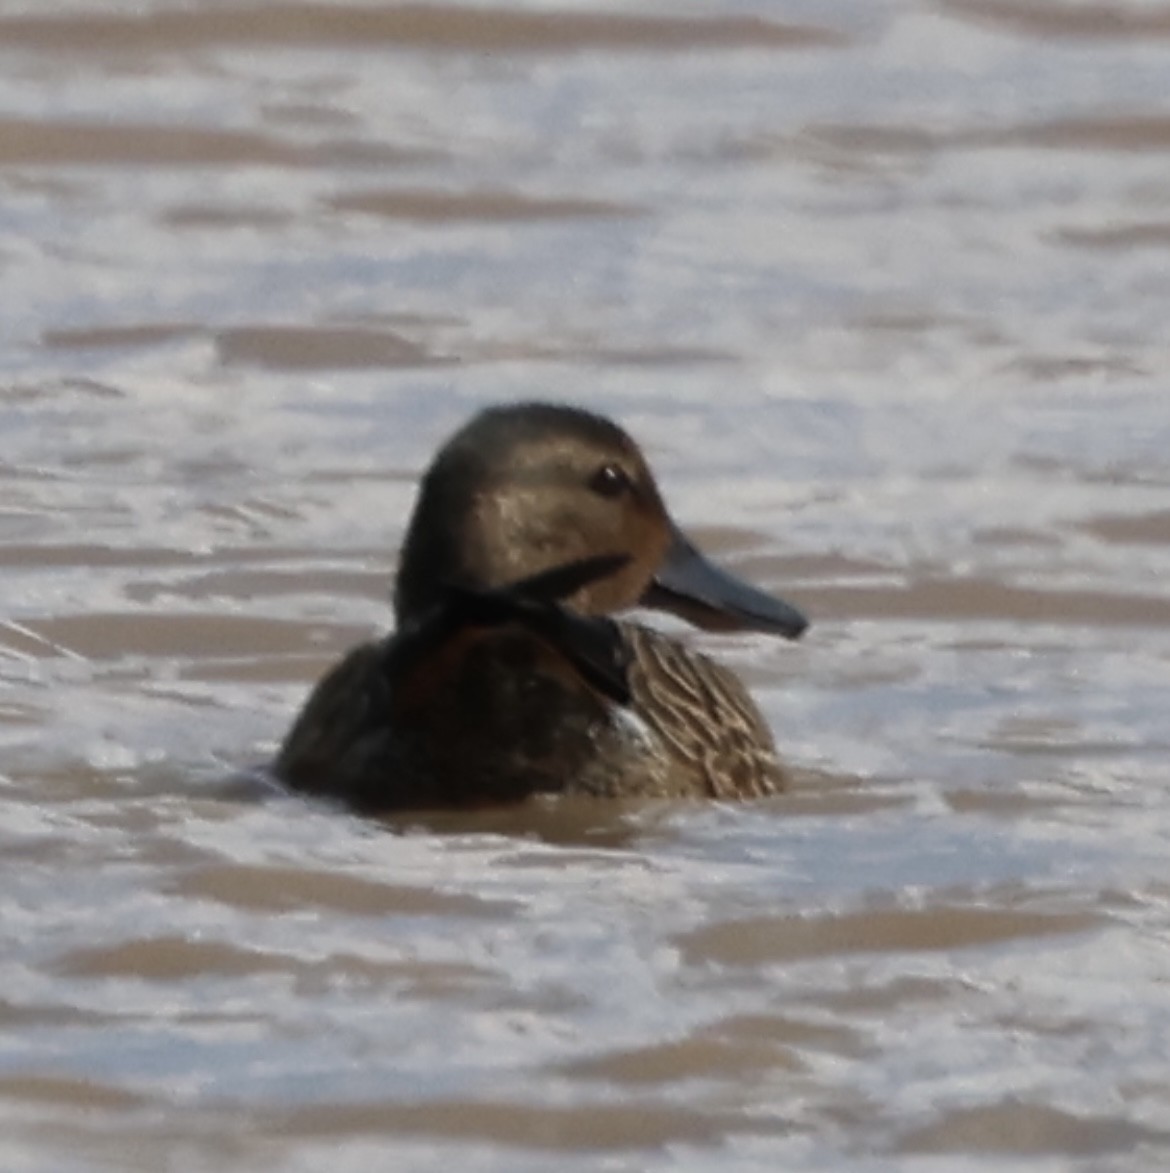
pixel 883 288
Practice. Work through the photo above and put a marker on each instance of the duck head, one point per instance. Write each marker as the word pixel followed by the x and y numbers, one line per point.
pixel 526 487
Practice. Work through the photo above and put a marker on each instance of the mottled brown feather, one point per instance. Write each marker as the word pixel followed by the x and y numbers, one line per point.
pixel 713 739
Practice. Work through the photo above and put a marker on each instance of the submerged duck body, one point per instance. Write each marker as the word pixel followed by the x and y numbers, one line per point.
pixel 505 676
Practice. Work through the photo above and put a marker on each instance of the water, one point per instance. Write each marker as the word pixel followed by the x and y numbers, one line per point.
pixel 881 287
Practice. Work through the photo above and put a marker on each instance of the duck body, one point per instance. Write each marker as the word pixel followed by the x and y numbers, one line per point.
pixel 509 718
pixel 506 677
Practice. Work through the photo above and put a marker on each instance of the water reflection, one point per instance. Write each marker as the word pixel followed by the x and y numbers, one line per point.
pixel 883 290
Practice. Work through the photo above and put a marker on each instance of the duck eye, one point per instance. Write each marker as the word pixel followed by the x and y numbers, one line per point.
pixel 610 480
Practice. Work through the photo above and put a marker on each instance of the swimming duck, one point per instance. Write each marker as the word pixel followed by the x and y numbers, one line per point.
pixel 506 677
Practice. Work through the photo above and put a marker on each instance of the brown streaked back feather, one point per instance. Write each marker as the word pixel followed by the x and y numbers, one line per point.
pixel 713 736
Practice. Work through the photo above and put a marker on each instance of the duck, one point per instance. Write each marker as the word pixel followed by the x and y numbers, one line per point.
pixel 511 671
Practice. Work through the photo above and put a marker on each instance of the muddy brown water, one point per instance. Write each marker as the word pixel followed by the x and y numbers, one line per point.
pixel 882 287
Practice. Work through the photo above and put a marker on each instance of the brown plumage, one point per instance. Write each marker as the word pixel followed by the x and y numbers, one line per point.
pixel 504 678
